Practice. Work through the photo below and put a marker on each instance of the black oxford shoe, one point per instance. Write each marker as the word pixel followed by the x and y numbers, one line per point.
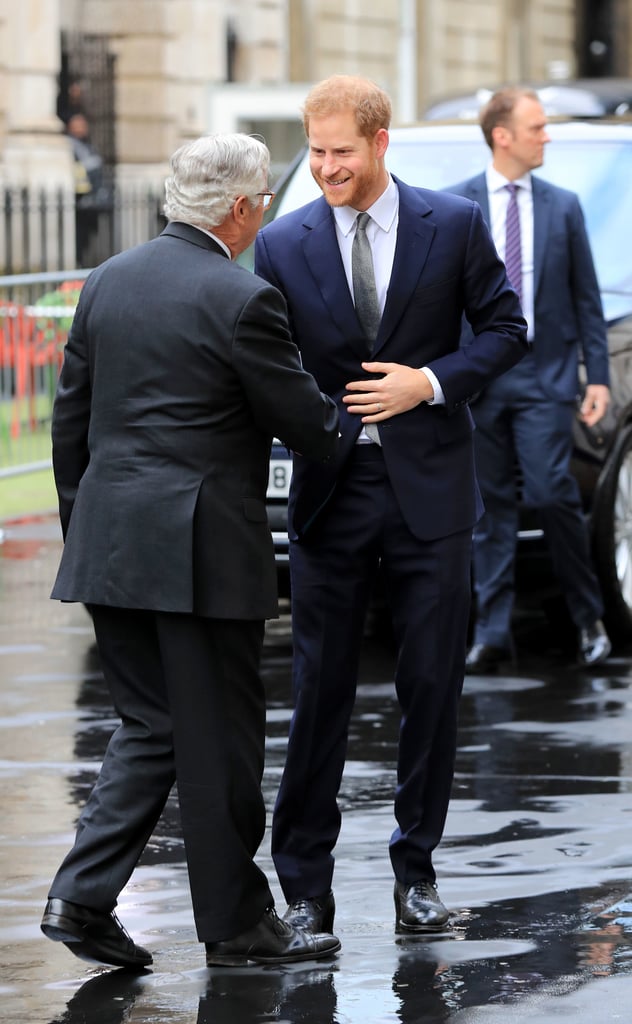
pixel 271 941
pixel 313 915
pixel 92 935
pixel 594 645
pixel 418 908
pixel 484 658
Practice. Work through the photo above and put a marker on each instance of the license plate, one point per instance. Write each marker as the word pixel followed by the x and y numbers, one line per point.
pixel 279 478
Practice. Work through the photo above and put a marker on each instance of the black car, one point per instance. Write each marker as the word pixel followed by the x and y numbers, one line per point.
pixel 593 159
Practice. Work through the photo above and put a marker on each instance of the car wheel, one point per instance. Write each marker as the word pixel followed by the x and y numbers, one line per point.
pixel 612 535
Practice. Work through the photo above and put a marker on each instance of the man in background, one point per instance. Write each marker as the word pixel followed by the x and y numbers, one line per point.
pixel 527 414
pixel 93 194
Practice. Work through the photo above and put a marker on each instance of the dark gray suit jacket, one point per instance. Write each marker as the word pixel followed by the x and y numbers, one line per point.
pixel 178 371
pixel 568 316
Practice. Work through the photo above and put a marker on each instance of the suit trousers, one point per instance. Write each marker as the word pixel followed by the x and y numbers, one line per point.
pixel 517 422
pixel 192 708
pixel 428 589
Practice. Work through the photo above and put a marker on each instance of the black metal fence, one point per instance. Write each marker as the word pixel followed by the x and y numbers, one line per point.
pixel 46 230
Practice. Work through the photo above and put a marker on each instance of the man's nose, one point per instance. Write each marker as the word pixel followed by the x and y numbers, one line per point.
pixel 330 164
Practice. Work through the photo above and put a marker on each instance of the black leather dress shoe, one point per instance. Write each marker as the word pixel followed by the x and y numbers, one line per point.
pixel 484 658
pixel 314 915
pixel 594 645
pixel 418 908
pixel 271 941
pixel 92 935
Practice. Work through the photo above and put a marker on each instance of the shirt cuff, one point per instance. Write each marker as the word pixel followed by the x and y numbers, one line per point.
pixel 439 397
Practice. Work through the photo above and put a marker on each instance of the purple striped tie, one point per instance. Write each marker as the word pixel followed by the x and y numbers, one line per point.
pixel 513 255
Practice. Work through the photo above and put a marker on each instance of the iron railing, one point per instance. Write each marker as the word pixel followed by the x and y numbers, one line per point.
pixel 45 230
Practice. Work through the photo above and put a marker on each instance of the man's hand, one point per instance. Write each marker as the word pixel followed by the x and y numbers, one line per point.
pixel 400 389
pixel 596 401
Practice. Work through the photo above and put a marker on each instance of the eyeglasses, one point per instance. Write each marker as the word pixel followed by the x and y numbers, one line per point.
pixel 267 197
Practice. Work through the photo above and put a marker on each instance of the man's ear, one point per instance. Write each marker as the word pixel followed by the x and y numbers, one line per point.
pixel 239 208
pixel 381 142
pixel 500 135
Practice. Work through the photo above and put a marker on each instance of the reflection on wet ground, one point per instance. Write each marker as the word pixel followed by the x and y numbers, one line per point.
pixel 536 864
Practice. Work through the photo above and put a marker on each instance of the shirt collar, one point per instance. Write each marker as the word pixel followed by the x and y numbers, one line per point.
pixel 383 211
pixel 217 241
pixel 496 181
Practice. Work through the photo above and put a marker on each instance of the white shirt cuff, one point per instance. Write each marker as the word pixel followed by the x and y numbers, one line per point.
pixel 439 397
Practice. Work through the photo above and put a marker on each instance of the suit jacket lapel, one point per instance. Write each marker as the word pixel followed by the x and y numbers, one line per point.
pixel 415 232
pixel 322 253
pixel 541 217
pixel 478 192
pixel 541 225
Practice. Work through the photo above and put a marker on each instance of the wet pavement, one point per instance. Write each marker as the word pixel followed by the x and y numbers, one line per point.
pixel 536 863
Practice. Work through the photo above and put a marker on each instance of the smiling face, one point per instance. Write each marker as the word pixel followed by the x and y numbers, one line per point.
pixel 347 166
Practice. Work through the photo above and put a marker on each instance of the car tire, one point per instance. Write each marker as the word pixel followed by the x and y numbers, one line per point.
pixel 612 537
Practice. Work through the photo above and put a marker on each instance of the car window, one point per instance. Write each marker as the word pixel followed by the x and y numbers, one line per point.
pixel 438 164
pixel 601 173
pixel 598 169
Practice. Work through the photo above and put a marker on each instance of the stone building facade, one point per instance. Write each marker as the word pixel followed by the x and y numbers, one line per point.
pixel 184 67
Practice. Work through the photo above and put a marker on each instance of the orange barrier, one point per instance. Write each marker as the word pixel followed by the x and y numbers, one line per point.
pixel 32 338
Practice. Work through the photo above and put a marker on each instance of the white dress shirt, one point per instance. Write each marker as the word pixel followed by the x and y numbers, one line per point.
pixel 217 240
pixel 498 197
pixel 382 235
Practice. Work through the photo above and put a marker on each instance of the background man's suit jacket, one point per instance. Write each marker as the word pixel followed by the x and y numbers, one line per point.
pixel 568 316
pixel 179 369
pixel 445 264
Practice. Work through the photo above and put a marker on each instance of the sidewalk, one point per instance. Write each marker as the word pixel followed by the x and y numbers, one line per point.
pixel 535 865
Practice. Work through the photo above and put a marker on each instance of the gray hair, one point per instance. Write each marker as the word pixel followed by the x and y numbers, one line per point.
pixel 209 173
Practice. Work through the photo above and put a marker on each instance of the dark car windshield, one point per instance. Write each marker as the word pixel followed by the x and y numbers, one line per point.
pixel 599 170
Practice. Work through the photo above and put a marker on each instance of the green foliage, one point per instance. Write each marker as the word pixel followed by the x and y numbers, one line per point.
pixel 27 494
pixel 56 329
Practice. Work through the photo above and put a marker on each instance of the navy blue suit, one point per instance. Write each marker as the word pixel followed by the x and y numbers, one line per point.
pixel 409 506
pixel 528 414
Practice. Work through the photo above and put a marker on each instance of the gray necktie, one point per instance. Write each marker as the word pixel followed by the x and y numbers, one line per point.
pixel 365 295
pixel 363 276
